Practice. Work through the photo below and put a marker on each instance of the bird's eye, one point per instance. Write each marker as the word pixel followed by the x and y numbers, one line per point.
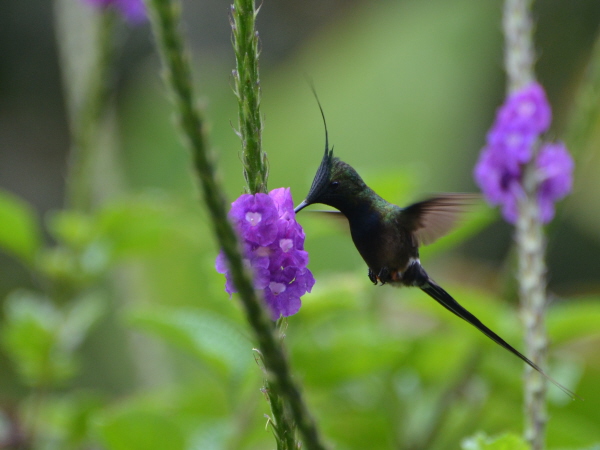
pixel 334 184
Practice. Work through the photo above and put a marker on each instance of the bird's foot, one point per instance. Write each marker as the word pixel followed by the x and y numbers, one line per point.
pixel 372 277
pixel 384 275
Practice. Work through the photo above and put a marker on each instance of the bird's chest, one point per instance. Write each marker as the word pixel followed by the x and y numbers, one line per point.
pixel 382 244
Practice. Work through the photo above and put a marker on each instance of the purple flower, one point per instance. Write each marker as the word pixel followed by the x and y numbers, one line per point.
pixel 555 168
pixel 525 115
pixel 134 11
pixel 500 182
pixel 273 250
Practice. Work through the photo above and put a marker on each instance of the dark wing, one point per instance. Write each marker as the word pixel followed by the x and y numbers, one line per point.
pixel 433 218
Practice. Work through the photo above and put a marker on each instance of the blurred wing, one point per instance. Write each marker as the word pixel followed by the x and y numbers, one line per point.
pixel 334 216
pixel 433 218
pixel 326 212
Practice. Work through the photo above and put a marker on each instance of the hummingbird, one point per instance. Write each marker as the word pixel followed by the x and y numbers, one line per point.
pixel 388 237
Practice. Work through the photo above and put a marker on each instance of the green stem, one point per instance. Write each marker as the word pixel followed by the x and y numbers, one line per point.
pixel 281 423
pixel 247 91
pixel 519 62
pixel 254 160
pixel 165 18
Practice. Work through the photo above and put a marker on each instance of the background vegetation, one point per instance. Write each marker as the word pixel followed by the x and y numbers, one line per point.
pixel 116 332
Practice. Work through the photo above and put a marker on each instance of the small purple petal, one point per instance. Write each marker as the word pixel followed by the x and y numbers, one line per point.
pixel 510 209
pixel 284 202
pixel 260 256
pixel 222 267
pixel 500 182
pixel 134 11
pixel 519 122
pixel 221 263
pixel 526 110
pixel 262 277
pixel 286 245
pixel 514 144
pixel 276 288
pixel 305 280
pixel 290 307
pixel 255 217
pixel 555 167
pixel 281 304
pixel 283 296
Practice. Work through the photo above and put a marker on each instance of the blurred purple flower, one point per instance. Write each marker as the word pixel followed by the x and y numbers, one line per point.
pixel 555 168
pixel 527 110
pixel 500 181
pixel 134 11
pixel 525 115
pixel 273 249
pixel 519 122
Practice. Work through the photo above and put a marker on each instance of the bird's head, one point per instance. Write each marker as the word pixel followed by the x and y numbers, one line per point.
pixel 335 183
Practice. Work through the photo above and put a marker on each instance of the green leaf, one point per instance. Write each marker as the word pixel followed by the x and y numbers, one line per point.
pixel 64 419
pixel 505 442
pixel 19 228
pixel 42 339
pixel 211 337
pixel 30 336
pixel 71 227
pixel 574 319
pixel 212 435
pixel 131 429
pixel 78 318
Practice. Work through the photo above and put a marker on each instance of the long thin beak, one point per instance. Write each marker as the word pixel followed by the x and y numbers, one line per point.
pixel 301 206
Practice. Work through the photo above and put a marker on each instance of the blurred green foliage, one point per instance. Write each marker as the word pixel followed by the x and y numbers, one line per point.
pixel 505 442
pixel 42 339
pixel 127 339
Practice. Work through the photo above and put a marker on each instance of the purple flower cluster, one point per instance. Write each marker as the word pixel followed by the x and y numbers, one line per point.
pixel 519 123
pixel 134 11
pixel 274 249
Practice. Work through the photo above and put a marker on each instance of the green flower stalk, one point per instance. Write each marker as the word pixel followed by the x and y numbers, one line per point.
pixel 519 62
pixel 280 421
pixel 519 54
pixel 526 175
pixel 164 16
pixel 247 91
